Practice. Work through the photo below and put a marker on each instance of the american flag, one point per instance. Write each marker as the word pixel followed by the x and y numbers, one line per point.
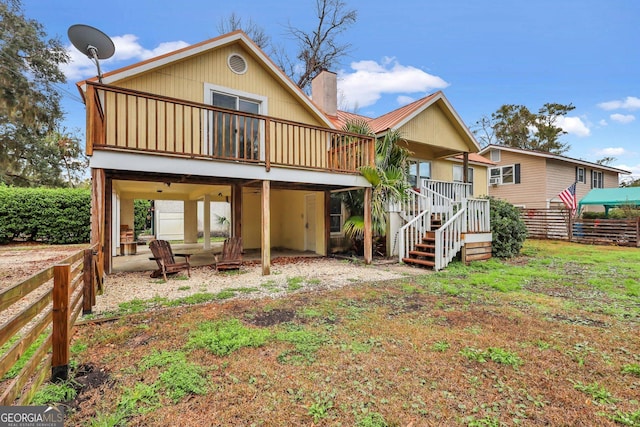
pixel 568 196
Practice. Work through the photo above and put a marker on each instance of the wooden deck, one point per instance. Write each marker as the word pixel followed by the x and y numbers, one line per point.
pixel 128 120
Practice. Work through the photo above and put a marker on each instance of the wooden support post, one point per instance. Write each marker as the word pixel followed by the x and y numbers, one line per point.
pixel 88 278
pixel 236 210
pixel 368 232
pixel 465 168
pixel 60 335
pixel 266 229
pixel 327 223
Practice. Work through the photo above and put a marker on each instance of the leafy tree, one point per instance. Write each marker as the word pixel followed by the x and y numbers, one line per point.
pixel 388 179
pixel 607 160
pixel 516 126
pixel 317 49
pixel 33 151
pixel 631 183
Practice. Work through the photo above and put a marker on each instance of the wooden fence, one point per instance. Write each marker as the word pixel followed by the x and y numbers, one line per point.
pixel 557 224
pixel 41 312
pixel 546 223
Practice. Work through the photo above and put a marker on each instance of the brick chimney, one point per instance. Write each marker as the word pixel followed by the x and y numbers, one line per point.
pixel 324 92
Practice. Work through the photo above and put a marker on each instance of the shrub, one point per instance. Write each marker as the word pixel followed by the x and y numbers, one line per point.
pixel 593 215
pixel 140 213
pixel 509 231
pixel 57 216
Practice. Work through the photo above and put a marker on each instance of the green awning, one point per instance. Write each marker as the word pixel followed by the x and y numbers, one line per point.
pixel 610 197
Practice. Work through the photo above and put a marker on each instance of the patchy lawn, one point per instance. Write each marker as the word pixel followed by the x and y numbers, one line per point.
pixel 550 338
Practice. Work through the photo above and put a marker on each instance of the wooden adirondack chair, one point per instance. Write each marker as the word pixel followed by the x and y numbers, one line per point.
pixel 164 256
pixel 231 257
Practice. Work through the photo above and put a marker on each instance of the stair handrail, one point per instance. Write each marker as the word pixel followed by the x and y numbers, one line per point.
pixel 456 191
pixel 478 216
pixel 414 204
pixel 449 238
pixel 412 232
pixel 439 204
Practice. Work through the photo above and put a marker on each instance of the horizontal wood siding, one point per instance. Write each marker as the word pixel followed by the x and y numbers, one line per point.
pixel 476 251
pixel 433 127
pixel 531 192
pixel 560 175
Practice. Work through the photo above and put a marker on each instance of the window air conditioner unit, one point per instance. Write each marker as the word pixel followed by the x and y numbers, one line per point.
pixel 494 181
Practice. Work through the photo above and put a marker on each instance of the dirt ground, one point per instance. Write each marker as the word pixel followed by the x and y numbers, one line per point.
pixel 21 261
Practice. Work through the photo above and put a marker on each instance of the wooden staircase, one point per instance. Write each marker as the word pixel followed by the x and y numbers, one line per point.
pixel 424 253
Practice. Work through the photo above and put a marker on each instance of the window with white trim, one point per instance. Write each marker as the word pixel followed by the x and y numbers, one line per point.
pixel 501 175
pixel 458 176
pixel 336 215
pixel 597 179
pixel 418 170
pixel 581 175
pixel 233 135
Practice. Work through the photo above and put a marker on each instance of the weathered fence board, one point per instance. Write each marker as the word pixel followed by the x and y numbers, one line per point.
pixel 557 224
pixel 53 312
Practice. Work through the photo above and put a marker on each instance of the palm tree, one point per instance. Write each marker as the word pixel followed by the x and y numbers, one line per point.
pixel 388 179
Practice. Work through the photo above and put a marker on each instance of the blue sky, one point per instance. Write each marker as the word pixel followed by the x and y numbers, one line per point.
pixel 482 54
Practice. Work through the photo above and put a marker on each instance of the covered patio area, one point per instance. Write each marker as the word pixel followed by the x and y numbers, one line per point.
pixel 200 256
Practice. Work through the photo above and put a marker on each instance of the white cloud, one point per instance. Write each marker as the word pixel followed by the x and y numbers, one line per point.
pixel 622 118
pixel 611 151
pixel 634 169
pixel 603 122
pixel 629 103
pixel 573 125
pixel 370 80
pixel 404 99
pixel 128 50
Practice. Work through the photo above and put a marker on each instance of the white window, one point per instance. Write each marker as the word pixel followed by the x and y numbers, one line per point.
pixel 581 175
pixel 337 215
pixel 418 170
pixel 501 175
pixel 494 155
pixel 232 135
pixel 598 181
pixel 458 177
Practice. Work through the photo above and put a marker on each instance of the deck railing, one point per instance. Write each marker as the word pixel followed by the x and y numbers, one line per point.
pixel 124 119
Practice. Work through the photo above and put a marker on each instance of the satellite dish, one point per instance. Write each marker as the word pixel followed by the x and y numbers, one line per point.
pixel 92 42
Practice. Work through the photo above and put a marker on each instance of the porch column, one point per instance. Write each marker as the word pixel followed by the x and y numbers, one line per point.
pixel 206 218
pixel 327 223
pixel 465 167
pixel 236 210
pixel 368 232
pixel 108 226
pixel 266 229
pixel 190 221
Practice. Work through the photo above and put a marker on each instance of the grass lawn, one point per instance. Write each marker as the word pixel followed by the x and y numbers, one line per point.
pixel 549 338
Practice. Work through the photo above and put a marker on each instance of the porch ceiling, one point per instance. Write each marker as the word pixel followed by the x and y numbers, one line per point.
pixel 148 190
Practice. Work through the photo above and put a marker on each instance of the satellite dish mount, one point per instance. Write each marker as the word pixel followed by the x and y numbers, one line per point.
pixel 93 43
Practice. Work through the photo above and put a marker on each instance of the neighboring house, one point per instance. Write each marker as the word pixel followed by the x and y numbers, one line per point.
pixel 534 179
pixel 220 121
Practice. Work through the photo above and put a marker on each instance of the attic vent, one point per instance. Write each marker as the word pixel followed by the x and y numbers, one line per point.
pixel 237 63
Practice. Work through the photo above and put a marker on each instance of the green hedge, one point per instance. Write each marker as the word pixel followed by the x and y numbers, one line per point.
pixel 56 216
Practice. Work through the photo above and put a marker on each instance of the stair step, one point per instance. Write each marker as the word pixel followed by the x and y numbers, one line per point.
pixel 425 246
pixel 422 254
pixel 422 262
